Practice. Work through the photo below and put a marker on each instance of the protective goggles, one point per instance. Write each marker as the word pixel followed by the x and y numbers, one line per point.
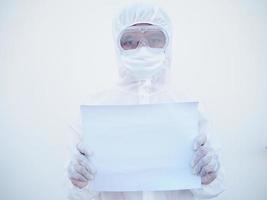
pixel 134 37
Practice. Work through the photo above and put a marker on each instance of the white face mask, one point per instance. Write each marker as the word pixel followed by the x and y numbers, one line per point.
pixel 143 62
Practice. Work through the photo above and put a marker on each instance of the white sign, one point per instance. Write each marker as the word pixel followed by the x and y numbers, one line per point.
pixel 141 147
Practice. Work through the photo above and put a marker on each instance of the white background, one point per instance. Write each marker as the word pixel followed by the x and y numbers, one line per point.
pixel 54 52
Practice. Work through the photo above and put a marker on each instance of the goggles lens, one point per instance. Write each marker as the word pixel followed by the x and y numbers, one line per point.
pixel 133 37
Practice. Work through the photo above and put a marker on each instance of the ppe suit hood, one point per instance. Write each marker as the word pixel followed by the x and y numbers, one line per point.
pixel 142 13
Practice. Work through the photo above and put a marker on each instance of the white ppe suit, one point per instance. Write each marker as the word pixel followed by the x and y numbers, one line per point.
pixel 154 89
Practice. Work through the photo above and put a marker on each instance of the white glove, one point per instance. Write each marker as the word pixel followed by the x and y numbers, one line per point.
pixel 80 169
pixel 205 162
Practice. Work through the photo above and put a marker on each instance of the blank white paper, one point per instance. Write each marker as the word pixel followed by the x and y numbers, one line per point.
pixel 141 147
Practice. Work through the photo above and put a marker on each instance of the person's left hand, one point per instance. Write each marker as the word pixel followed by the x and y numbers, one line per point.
pixel 205 162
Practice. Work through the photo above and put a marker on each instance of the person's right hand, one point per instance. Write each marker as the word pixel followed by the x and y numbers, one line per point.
pixel 80 169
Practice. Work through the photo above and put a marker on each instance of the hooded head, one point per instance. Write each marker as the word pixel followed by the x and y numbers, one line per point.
pixel 135 14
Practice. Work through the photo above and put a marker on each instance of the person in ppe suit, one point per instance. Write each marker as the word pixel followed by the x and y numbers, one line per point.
pixel 143 36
